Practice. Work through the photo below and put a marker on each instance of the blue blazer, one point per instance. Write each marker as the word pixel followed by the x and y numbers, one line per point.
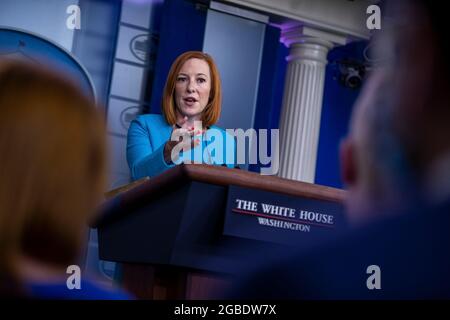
pixel 147 136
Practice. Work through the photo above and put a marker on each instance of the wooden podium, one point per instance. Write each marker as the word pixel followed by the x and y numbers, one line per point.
pixel 167 231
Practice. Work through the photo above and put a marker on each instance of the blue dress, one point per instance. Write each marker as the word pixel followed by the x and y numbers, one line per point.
pixel 148 134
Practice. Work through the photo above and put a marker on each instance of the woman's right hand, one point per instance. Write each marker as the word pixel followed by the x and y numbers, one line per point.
pixel 184 136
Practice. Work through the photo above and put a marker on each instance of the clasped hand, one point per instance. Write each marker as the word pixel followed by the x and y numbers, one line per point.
pixel 184 139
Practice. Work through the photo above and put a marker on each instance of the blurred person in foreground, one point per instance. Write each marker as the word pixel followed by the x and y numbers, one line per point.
pixel 398 174
pixel 52 172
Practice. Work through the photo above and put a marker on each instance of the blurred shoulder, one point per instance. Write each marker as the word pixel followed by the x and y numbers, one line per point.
pixel 152 120
pixel 89 290
pixel 96 290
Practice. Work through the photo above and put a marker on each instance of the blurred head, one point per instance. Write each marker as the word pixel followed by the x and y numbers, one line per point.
pixel 421 87
pixel 365 166
pixel 193 89
pixel 52 172
pixel 400 125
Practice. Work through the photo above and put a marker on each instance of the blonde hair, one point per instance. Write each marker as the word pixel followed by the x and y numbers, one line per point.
pixel 212 110
pixel 52 166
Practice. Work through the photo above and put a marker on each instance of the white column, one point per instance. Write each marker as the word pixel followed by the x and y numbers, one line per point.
pixel 302 101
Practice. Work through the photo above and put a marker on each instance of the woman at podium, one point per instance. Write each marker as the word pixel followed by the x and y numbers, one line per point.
pixel 185 132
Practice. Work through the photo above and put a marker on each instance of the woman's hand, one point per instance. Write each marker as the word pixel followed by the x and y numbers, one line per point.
pixel 185 136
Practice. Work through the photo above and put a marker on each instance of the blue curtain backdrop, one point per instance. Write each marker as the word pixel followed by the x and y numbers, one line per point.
pixel 336 110
pixel 182 29
pixel 271 84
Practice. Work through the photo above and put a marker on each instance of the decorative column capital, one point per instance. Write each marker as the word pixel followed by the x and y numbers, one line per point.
pixel 311 44
pixel 304 34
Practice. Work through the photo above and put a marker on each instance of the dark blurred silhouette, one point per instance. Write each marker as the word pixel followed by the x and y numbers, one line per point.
pixel 396 163
pixel 52 172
